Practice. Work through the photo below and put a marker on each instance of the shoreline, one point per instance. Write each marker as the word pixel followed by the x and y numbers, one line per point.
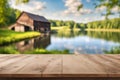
pixel 104 30
pixel 16 36
pixel 101 30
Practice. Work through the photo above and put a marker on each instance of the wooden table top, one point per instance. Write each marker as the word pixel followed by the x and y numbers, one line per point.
pixel 83 65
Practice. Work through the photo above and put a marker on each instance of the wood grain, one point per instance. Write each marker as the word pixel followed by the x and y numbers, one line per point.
pixel 83 65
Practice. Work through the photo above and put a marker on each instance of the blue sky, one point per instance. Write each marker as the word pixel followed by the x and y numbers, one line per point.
pixel 64 9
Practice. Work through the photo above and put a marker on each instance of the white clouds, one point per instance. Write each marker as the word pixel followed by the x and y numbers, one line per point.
pixel 103 8
pixel 85 11
pixel 92 18
pixel 72 8
pixel 88 1
pixel 32 6
pixel 115 9
pixel 69 12
pixel 100 9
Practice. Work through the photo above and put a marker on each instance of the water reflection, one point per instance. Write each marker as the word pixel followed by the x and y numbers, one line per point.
pixel 109 36
pixel 75 41
pixel 39 42
pixel 84 42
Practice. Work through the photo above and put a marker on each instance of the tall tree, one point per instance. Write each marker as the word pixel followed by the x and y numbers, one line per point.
pixel 109 4
pixel 4 12
pixel 7 14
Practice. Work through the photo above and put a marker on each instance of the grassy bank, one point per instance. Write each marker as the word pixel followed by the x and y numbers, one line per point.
pixel 78 29
pixel 44 51
pixel 13 50
pixel 9 50
pixel 63 28
pixel 8 36
pixel 114 50
pixel 104 30
pixel 57 28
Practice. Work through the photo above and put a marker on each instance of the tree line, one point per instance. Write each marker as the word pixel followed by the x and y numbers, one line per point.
pixel 103 24
pixel 8 15
pixel 68 24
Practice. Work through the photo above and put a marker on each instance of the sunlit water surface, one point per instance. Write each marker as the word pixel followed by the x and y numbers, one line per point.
pixel 75 42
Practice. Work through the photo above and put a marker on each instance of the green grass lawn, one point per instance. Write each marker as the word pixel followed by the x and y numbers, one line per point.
pixel 8 36
pixel 44 51
pixel 12 50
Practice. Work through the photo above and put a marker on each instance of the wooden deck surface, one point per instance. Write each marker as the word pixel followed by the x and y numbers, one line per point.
pixel 83 65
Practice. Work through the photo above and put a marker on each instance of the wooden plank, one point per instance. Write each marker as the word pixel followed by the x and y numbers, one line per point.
pixel 11 60
pixel 8 57
pixel 83 65
pixel 53 67
pixel 1 55
pixel 16 65
pixel 80 66
pixel 40 66
pixel 114 61
pixel 11 70
pixel 113 56
pixel 28 67
pixel 108 65
pixel 32 68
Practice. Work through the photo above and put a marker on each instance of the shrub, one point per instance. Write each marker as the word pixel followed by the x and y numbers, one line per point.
pixel 8 50
pixel 44 51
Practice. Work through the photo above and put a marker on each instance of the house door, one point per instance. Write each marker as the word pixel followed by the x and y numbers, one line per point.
pixel 13 28
pixel 27 28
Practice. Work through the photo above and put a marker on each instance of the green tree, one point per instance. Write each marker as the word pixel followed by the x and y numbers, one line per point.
pixel 105 24
pixel 76 25
pixel 21 1
pixel 17 12
pixel 70 24
pixel 58 23
pixel 4 12
pixel 114 50
pixel 83 26
pixel 7 14
pixel 109 4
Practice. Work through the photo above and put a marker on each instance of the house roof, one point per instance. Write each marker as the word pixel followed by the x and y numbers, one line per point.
pixel 36 17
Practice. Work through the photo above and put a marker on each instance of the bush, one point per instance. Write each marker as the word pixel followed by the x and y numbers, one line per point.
pixel 114 50
pixel 44 51
pixel 8 50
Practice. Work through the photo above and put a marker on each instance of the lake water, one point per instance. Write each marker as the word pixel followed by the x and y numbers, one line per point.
pixel 74 41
